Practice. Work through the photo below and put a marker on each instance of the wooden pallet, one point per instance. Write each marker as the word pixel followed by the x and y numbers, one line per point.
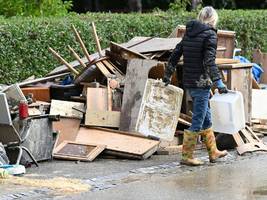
pixel 248 141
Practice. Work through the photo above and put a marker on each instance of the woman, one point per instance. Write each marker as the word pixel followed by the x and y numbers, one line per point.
pixel 198 48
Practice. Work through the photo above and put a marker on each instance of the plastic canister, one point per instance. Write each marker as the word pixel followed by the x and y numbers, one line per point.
pixel 227 112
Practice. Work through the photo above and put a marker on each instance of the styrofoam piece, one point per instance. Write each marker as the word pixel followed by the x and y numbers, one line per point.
pixel 160 110
pixel 227 112
pixel 5 117
pixel 259 107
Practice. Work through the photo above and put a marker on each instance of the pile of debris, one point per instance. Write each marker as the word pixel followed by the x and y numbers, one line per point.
pixel 110 103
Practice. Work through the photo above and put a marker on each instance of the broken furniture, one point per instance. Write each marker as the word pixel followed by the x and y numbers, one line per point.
pixel 137 73
pixel 226 40
pixel 70 150
pixel 37 93
pixel 10 137
pixel 159 110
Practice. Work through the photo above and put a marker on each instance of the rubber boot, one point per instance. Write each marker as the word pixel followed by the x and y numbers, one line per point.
pixel 189 145
pixel 210 142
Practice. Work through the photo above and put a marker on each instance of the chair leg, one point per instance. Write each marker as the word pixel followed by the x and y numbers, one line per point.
pixel 21 148
pixel 31 156
pixel 19 154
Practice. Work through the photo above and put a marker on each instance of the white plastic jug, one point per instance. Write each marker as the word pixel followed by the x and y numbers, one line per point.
pixel 227 112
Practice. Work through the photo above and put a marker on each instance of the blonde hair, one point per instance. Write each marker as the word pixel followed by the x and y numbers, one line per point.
pixel 208 15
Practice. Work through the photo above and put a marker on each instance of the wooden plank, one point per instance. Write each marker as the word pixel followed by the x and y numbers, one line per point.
pixel 125 144
pixel 160 110
pixel 68 129
pixel 39 80
pixel 220 61
pixel 135 81
pixel 156 44
pixel 125 51
pixel 70 150
pixel 97 99
pixel 102 118
pixel 261 58
pixel 235 66
pixel 65 109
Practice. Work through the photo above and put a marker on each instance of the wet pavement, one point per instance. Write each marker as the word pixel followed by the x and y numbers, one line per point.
pixel 160 177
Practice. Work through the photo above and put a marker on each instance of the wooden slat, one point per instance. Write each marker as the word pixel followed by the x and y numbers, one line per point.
pixel 102 118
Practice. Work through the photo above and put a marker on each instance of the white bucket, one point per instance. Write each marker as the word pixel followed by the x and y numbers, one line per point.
pixel 227 112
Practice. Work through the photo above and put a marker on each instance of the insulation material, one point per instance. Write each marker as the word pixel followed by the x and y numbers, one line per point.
pixel 160 110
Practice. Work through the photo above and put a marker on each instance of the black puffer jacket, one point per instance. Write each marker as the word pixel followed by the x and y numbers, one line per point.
pixel 198 48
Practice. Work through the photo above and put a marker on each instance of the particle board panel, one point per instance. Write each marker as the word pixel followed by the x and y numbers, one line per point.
pixel 68 129
pixel 65 109
pixel 119 142
pixel 160 110
pixel 70 150
pixel 102 118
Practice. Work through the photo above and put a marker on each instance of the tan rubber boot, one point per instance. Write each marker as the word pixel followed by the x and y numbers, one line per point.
pixel 189 145
pixel 210 142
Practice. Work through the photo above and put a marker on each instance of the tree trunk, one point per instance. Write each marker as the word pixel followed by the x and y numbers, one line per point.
pixel 135 5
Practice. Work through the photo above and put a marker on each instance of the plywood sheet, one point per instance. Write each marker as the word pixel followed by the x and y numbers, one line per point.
pixel 160 110
pixel 118 142
pixel 97 99
pixel 102 118
pixel 65 109
pixel 39 93
pixel 68 129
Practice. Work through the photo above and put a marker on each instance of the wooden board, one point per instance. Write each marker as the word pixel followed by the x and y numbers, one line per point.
pixel 65 109
pixel 156 44
pixel 170 150
pixel 68 129
pixel 39 93
pixel 102 118
pixel 135 81
pixel 70 150
pixel 125 52
pixel 261 58
pixel 126 145
pixel 160 110
pixel 97 99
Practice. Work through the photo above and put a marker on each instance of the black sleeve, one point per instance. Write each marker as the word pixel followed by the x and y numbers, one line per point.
pixel 210 47
pixel 173 60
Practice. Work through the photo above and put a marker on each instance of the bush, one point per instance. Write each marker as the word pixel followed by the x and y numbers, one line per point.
pixel 10 8
pixel 25 41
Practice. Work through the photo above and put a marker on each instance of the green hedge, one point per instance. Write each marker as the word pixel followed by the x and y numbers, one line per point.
pixel 24 41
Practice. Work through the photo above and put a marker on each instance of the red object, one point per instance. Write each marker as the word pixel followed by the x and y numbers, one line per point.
pixel 23 110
